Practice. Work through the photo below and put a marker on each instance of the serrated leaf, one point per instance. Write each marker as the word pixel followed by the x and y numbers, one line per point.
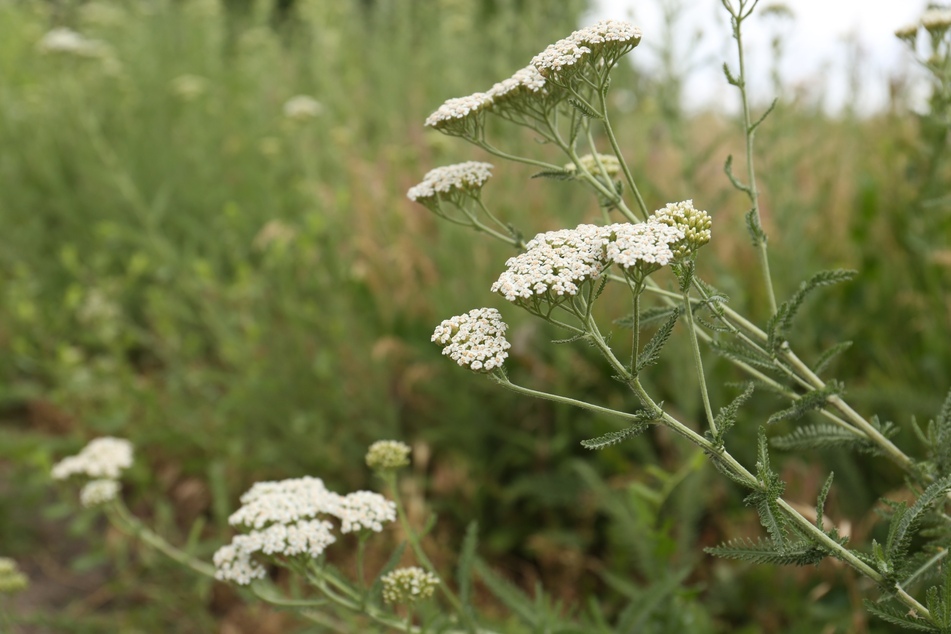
pixel 614 437
pixel 900 617
pixel 767 551
pixel 755 229
pixel 903 524
pixel 941 445
pixel 726 417
pixel 744 354
pixel 558 175
pixel 816 436
pixel 821 502
pixel 826 357
pixel 808 402
pixel 584 109
pixel 782 321
pixel 651 352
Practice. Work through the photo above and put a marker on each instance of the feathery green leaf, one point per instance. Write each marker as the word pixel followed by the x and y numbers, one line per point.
pixel 817 436
pixel 614 437
pixel 651 352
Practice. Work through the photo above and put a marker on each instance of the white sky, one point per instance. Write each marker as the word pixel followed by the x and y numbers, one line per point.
pixel 816 49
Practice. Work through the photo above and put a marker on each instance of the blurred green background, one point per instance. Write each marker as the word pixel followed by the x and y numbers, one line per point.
pixel 248 295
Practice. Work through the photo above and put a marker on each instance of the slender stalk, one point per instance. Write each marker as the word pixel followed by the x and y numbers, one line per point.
pixel 123 519
pixel 698 363
pixel 413 539
pixel 749 130
pixel 609 130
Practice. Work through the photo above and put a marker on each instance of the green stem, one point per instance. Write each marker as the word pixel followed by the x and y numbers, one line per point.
pixel 698 362
pixel 422 558
pixel 750 132
pixel 602 96
pixel 124 520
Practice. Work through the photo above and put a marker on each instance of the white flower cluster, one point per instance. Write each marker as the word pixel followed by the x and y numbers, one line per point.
pixel 408 585
pixel 302 108
pixel 284 502
pixel 365 510
pixel 628 245
pixel 553 264
pixel 386 455
pixel 475 339
pixel 282 518
pixel 67 41
pixel 460 115
pixel 525 80
pixel 608 40
pixel 102 458
pixel 454 113
pixel 97 492
pixel 449 179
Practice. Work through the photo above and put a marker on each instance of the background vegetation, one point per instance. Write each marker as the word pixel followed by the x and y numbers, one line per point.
pixel 250 296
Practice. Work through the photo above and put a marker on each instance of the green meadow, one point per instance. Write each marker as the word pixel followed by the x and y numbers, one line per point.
pixel 243 290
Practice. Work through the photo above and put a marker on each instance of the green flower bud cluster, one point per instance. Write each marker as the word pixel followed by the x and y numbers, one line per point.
pixel 388 455
pixel 693 222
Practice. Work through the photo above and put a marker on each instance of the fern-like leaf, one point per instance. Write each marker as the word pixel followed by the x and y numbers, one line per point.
pixel 817 436
pixel 726 417
pixel 584 109
pixel 899 616
pixel 941 443
pixel 744 354
pixel 558 175
pixel 821 502
pixel 808 402
pixel 782 321
pixel 829 355
pixel 612 438
pixel 651 352
pixel 767 551
pixel 904 523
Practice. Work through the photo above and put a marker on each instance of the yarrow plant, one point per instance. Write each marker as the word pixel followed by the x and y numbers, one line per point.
pixel 293 527
pixel 559 274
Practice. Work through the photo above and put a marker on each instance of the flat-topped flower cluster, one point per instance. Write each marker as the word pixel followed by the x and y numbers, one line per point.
pixel 555 264
pixel 284 518
pixel 475 339
pixel 542 83
pixel 102 461
pixel 451 181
